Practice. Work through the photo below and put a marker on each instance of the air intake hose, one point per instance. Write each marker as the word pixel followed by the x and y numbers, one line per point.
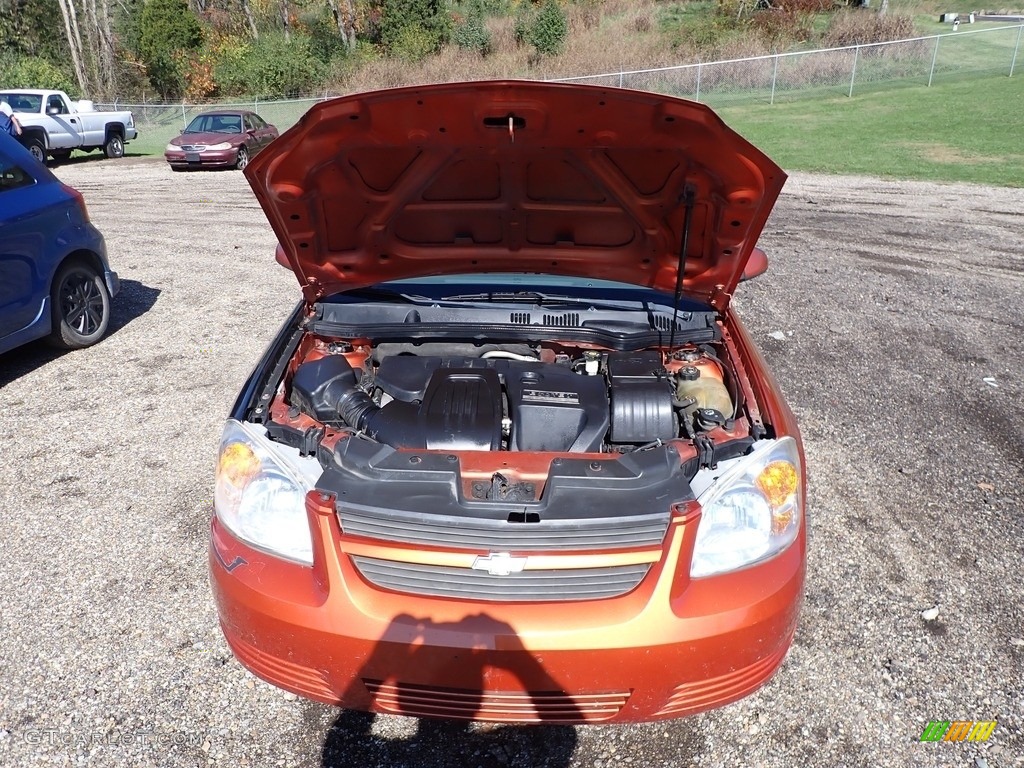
pixel 327 390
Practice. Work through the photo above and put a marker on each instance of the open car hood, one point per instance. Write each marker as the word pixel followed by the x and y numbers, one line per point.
pixel 515 176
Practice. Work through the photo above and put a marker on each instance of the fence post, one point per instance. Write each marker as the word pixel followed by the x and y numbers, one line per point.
pixel 775 74
pixel 1015 48
pixel 853 75
pixel 620 78
pixel 935 55
pixel 697 97
pixel 256 104
pixel 183 120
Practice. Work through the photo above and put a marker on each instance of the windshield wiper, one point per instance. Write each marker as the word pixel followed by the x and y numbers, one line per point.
pixel 531 296
pixel 384 294
pixel 549 301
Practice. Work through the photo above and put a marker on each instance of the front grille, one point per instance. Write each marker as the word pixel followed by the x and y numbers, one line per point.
pixel 193 147
pixel 530 586
pixel 634 531
pixel 495 706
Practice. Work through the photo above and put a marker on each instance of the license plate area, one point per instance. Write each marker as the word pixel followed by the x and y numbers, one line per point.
pixel 191 157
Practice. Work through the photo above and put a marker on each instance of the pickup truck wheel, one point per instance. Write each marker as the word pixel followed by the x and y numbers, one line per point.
pixel 114 146
pixel 36 146
pixel 243 158
pixel 81 306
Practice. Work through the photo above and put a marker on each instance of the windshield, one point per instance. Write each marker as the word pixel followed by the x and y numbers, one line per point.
pixel 215 124
pixel 22 102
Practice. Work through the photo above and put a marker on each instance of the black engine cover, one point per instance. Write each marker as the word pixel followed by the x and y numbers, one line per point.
pixel 551 407
pixel 554 409
pixel 461 410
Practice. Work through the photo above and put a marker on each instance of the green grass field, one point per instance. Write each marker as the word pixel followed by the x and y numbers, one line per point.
pixel 968 126
pixel 963 130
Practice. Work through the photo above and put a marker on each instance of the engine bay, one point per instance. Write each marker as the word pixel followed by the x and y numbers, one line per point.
pixel 492 426
pixel 541 397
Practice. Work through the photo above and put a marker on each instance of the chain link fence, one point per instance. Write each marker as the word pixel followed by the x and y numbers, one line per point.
pixel 833 71
pixel 767 79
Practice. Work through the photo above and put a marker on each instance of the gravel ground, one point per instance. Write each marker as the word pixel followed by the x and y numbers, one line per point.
pixel 892 315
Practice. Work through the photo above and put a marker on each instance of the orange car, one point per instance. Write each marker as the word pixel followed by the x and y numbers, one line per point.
pixel 513 457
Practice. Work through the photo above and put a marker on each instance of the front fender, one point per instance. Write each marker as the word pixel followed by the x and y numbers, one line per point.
pixel 34 132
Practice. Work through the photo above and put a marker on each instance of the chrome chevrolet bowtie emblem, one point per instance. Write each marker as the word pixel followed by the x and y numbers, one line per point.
pixel 499 564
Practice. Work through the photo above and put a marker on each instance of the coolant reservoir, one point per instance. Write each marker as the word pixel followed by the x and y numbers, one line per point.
pixel 701 380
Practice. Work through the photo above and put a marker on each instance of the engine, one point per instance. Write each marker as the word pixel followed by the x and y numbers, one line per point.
pixel 495 400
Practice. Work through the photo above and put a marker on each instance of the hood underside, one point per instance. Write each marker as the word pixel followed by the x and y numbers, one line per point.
pixel 515 176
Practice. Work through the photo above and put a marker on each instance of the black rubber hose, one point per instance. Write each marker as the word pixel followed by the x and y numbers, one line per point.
pixel 327 390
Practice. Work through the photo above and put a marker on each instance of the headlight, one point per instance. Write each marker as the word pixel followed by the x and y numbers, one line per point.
pixel 259 498
pixel 222 145
pixel 172 148
pixel 752 511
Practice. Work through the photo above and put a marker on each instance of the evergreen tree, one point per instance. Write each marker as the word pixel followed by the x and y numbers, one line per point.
pixel 167 29
pixel 414 23
pixel 550 29
pixel 472 34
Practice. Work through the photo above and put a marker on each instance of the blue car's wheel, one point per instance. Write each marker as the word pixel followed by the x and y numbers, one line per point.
pixel 81 306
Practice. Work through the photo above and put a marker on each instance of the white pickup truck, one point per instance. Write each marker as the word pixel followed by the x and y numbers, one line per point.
pixel 52 124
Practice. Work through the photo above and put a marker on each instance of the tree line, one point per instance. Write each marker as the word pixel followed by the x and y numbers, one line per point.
pixel 196 49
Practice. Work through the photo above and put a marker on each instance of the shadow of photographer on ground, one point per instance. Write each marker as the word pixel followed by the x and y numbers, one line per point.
pixel 483 648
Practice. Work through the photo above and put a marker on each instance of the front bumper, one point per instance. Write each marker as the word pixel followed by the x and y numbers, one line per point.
pixel 671 647
pixel 221 158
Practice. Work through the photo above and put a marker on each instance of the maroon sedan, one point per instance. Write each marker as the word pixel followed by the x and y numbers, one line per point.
pixel 220 140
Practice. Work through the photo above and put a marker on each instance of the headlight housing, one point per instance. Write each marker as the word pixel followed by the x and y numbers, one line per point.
pixel 752 512
pixel 172 148
pixel 258 497
pixel 222 145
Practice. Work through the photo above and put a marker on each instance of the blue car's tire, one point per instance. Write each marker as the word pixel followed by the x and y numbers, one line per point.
pixel 81 306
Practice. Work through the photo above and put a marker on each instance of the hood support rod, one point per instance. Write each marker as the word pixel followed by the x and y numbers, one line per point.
pixel 687 200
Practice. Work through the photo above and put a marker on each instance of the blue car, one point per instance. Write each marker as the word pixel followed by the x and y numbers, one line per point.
pixel 55 281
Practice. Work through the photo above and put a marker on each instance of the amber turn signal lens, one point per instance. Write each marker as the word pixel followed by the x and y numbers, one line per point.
pixel 778 482
pixel 238 464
